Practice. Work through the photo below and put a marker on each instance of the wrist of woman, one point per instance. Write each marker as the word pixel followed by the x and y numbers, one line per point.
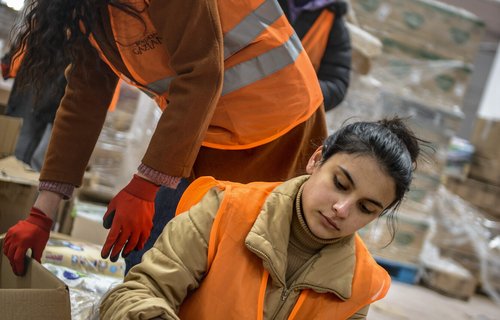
pixel 64 189
pixel 157 177
pixel 48 202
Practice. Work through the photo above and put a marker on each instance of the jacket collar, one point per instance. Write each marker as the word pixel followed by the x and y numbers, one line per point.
pixel 331 269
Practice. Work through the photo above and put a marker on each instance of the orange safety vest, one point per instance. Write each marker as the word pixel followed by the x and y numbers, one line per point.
pixel 235 284
pixel 15 63
pixel 316 38
pixel 269 83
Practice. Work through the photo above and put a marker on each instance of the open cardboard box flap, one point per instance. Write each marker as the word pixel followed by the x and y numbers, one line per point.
pixel 37 295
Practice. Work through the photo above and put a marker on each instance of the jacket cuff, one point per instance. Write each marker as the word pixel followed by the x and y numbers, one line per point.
pixel 158 177
pixel 64 189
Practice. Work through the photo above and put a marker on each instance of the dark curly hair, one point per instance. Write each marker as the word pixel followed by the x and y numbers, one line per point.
pixel 52 35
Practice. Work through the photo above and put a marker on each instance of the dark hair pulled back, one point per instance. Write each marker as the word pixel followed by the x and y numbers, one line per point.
pixel 389 141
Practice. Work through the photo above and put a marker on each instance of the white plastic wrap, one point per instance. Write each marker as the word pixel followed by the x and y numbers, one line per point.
pixel 122 143
pixel 459 224
pixel 85 290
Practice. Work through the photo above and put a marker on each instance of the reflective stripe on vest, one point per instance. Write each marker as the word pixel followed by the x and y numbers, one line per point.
pixel 239 37
pixel 243 297
pixel 316 38
pixel 264 63
pixel 250 71
pixel 250 27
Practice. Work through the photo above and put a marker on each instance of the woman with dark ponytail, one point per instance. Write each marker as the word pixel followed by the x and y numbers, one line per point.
pixel 278 250
pixel 240 102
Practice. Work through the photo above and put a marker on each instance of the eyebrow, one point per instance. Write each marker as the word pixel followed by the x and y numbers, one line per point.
pixel 348 176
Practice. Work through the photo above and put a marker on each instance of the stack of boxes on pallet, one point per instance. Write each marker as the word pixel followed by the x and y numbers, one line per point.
pixel 422 75
pixel 467 243
pixel 482 185
pixel 429 47
pixel 471 233
pixel 108 171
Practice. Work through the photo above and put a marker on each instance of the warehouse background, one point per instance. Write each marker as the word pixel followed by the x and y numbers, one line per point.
pixel 436 62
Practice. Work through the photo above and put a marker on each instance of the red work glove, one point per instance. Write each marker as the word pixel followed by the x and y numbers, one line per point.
pixel 130 217
pixel 30 233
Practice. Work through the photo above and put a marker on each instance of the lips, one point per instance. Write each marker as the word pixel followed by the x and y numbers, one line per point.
pixel 331 222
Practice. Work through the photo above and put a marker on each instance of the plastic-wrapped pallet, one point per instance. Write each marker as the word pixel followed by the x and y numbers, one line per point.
pixel 121 144
pixel 439 83
pixel 406 247
pixel 464 234
pixel 441 30
pixel 428 46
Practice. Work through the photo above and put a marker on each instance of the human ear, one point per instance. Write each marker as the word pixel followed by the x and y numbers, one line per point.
pixel 314 160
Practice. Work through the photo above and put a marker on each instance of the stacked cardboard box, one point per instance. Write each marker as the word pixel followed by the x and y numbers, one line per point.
pixel 465 235
pixel 412 230
pixel 482 187
pixel 449 278
pixel 9 132
pixel 439 30
pixel 483 195
pixel 121 145
pixel 428 47
pixel 18 181
pixel 486 161
pixel 438 83
pixel 18 189
pixel 87 222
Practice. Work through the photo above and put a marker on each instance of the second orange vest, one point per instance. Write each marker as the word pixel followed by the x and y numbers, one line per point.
pixel 269 84
pixel 235 284
pixel 316 38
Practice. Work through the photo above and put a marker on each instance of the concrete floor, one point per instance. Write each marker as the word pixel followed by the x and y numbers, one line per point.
pixel 413 302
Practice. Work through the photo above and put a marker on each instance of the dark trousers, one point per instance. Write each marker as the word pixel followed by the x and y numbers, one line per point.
pixel 165 204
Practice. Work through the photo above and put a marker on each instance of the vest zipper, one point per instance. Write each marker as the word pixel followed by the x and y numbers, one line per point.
pixel 284 294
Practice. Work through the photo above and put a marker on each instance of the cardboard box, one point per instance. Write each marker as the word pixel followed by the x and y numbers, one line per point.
pixel 485 138
pixel 408 242
pixel 445 31
pixel 87 222
pixel 432 82
pixel 485 169
pixel 5 89
pixel 18 190
pixel 482 195
pixel 37 295
pixel 449 278
pixel 468 258
pixel 9 132
pixel 486 160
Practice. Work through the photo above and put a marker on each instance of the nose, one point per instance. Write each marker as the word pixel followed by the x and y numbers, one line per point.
pixel 341 208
